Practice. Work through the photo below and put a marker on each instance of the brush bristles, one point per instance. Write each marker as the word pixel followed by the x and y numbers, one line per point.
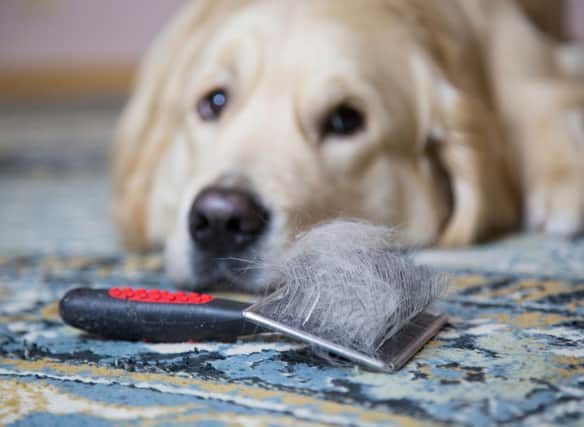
pixel 349 283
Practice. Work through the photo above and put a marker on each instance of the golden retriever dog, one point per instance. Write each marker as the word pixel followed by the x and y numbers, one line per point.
pixel 253 120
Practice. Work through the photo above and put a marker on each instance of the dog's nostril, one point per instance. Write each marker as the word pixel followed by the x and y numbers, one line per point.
pixel 223 221
pixel 200 223
pixel 234 225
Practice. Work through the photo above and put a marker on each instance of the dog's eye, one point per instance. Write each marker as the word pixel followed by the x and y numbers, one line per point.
pixel 211 105
pixel 343 121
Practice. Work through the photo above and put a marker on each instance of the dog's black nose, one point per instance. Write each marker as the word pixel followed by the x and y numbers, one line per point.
pixel 224 221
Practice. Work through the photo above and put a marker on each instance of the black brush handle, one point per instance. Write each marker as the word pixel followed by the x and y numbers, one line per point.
pixel 153 315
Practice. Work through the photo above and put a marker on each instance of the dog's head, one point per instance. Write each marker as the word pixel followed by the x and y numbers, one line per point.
pixel 254 120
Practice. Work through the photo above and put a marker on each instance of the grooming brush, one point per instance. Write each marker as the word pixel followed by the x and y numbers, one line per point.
pixel 343 287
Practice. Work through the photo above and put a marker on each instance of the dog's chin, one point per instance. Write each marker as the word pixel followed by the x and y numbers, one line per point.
pixel 195 271
pixel 227 274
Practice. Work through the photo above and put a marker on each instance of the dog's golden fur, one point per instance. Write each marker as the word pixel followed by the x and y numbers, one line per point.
pixel 473 120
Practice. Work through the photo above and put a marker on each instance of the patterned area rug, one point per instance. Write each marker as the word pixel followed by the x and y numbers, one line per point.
pixel 512 354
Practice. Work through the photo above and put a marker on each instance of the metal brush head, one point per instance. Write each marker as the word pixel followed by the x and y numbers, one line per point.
pixel 392 355
pixel 348 289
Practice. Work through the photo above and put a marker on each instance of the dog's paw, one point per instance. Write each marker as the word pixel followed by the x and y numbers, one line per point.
pixel 557 207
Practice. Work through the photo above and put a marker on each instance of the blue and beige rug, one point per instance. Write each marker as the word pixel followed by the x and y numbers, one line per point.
pixel 513 353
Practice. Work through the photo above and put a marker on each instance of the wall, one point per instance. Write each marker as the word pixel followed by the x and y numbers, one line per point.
pixel 53 46
pixel 74 32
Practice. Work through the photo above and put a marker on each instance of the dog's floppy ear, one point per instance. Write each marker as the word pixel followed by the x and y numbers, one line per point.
pixel 150 120
pixel 539 84
pixel 457 119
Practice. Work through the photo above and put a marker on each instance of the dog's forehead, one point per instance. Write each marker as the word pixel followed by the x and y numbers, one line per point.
pixel 291 34
pixel 313 23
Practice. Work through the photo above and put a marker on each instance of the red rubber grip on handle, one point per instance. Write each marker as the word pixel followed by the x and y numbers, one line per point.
pixel 158 296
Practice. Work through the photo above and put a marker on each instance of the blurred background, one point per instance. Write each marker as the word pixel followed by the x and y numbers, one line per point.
pixel 66 68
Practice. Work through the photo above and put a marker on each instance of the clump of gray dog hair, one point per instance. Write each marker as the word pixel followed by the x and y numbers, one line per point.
pixel 350 283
